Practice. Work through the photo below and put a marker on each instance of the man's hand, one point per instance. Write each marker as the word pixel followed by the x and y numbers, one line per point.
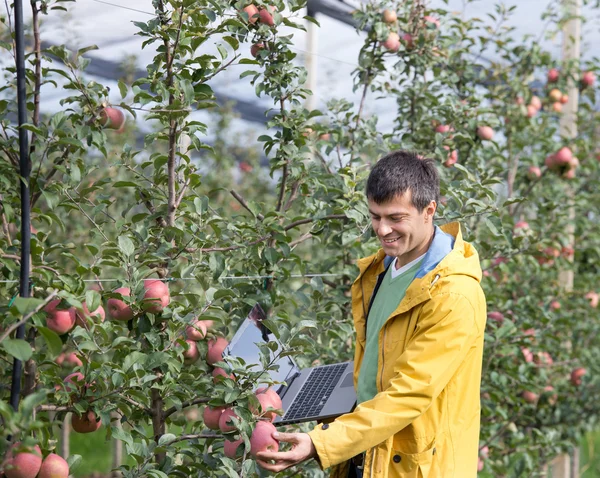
pixel 302 449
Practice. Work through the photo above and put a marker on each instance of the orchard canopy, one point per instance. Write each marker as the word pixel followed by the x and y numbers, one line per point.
pixel 158 222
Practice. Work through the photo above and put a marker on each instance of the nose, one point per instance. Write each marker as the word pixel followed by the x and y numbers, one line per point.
pixel 384 229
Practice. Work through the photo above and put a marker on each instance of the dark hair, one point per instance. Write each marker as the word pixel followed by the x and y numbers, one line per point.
pixel 401 171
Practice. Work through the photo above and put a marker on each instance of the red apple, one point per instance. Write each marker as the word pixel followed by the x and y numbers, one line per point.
pixel 555 94
pixel 485 133
pixel 112 118
pixel 588 79
pixel 211 416
pixel 219 372
pixel 452 157
pixel 574 162
pixel 520 100
pixel 225 424
pixel 521 225
pixel 262 438
pixel 442 128
pixel 553 75
pixel 255 50
pixel 564 99
pixel 534 172
pixel 265 15
pixel 86 423
pixel 576 375
pixel 536 102
pixel 25 464
pixel 480 464
pixel 82 315
pixel 553 397
pixel 51 306
pixel 118 309
pixel 550 161
pixel 61 321
pixel 543 358
pixel 196 330
pixel 496 316
pixel 530 397
pixel 527 354
pixel 215 350
pixel 192 354
pixel 389 16
pixel 484 452
pixel 268 398
pixel 563 155
pixel 392 43
pixel 569 174
pixel 54 466
pixel 230 448
pixel 593 297
pixel 555 305
pixel 69 360
pixel 432 21
pixel 557 107
pixel 156 296
pixel 408 41
pixel 252 12
pixel 531 111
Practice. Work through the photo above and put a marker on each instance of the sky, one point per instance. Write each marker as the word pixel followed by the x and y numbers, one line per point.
pixel 109 25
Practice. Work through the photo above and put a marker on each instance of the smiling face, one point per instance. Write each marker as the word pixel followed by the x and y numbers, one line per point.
pixel 403 231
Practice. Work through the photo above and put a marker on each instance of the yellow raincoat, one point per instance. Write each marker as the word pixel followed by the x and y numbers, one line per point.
pixel 424 421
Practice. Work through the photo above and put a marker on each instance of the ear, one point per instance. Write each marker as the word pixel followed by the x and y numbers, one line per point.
pixel 430 210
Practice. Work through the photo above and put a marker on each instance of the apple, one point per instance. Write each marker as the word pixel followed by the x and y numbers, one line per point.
pixel 389 16
pixel 550 161
pixel 531 111
pixel 54 466
pixel 569 174
pixel 452 157
pixel 484 452
pixel 485 133
pixel 51 306
pixel 225 424
pixel 527 354
pixel 219 372
pixel 408 41
pixel 520 100
pixel 555 94
pixel 392 43
pixel 25 464
pixel 496 316
pixel 553 75
pixel 593 297
pixel 530 397
pixel 567 251
pixel 588 79
pixel 230 448
pixel 156 296
pixel 215 350
pixel 555 305
pixel 564 99
pixel 543 358
pixel 112 118
pixel 192 354
pixel 252 12
pixel 117 308
pixel 536 102
pixel 262 438
pixel 551 398
pixel 521 225
pixel 70 360
pixel 576 375
pixel 480 464
pixel 86 423
pixel 557 107
pixel 442 128
pixel 255 50
pixel 268 398
pixel 211 416
pixel 265 15
pixel 432 21
pixel 61 321
pixel 196 330
pixel 534 172
pixel 574 162
pixel 84 313
pixel 563 155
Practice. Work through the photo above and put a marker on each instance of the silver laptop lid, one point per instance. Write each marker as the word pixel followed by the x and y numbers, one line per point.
pixel 244 345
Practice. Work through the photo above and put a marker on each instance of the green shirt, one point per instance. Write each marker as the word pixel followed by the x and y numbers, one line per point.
pixel 388 298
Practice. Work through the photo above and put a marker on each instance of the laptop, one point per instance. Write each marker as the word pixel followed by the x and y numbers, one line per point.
pixel 315 393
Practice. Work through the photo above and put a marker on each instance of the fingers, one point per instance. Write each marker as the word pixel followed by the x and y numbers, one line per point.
pixel 286 437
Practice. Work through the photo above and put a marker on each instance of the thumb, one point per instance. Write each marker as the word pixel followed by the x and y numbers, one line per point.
pixel 285 437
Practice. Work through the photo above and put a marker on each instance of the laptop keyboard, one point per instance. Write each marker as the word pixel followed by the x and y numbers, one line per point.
pixel 315 392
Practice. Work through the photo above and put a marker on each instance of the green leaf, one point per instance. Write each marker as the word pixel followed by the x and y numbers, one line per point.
pixel 122 89
pixel 52 340
pixel 167 437
pixel 126 246
pixel 18 348
pixel 26 305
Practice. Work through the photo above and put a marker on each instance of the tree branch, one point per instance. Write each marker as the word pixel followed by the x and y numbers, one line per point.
pixel 244 204
pixel 14 327
pixel 285 166
pixel 182 192
pixel 86 215
pixel 311 219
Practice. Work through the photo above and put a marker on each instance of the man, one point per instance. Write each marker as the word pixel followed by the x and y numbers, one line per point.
pixel 420 314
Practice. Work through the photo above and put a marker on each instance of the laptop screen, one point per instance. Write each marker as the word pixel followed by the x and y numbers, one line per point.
pixel 244 345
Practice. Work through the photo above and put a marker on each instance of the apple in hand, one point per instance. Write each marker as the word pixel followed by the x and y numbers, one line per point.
pixel 117 308
pixel 156 296
pixel 54 466
pixel 262 439
pixel 23 464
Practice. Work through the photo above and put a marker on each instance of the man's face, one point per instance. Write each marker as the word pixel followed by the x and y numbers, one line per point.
pixel 403 231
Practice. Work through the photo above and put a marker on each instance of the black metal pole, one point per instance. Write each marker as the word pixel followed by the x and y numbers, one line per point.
pixel 15 390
